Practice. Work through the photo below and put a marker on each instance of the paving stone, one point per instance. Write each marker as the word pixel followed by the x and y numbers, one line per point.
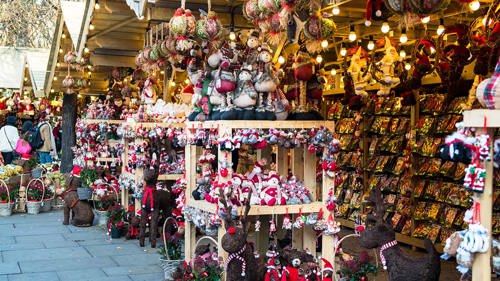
pixel 113 250
pixel 43 254
pixel 114 278
pixel 101 241
pixel 7 239
pixel 81 274
pixel 3 278
pixel 9 268
pixel 148 277
pixel 124 270
pixel 45 237
pixel 39 230
pixel 84 235
pixel 51 244
pixel 64 264
pixel 22 246
pixel 40 276
pixel 145 259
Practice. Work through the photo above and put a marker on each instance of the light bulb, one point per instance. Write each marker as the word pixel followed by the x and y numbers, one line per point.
pixel 25 78
pixel 484 21
pixel 333 72
pixel 336 10
pixel 440 28
pixel 433 50
pixel 371 45
pixel 97 6
pixel 385 27
pixel 402 53
pixel 140 17
pixel 407 66
pixel 60 50
pixel 426 19
pixel 86 50
pixel 403 38
pixel 58 64
pixel 51 90
pixel 319 59
pixel 474 5
pixel 91 27
pixel 343 51
pixel 90 72
pixel 187 81
pixel 324 44
pixel 352 36
pixel 162 72
pixel 172 83
pixel 63 35
pixel 232 36
pixel 55 78
pixel 281 60
pixel 89 67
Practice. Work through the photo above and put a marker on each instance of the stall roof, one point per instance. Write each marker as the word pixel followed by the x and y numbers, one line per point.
pixel 12 61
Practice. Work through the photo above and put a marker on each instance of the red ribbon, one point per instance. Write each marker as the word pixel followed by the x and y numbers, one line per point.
pixel 134 231
pixel 148 192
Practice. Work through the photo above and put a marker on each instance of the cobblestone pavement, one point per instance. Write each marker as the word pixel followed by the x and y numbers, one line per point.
pixel 41 248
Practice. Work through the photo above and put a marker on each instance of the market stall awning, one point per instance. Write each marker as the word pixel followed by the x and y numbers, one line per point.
pixel 77 14
pixel 37 60
pixel 12 61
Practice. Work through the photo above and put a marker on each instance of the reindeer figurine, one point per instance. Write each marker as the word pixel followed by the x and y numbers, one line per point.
pixel 241 264
pixel 400 266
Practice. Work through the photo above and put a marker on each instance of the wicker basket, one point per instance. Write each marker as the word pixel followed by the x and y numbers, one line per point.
pixel 6 208
pixel 102 217
pixel 169 266
pixel 34 206
pixel 46 205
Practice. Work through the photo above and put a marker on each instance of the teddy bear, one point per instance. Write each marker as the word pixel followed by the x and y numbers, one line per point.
pixel 271 192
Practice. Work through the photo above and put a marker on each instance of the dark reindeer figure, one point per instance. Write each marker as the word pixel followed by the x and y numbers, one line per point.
pixel 400 266
pixel 80 211
pixel 241 264
pixel 153 202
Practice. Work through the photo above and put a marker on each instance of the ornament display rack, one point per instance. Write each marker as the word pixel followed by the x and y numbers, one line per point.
pixel 484 121
pixel 367 136
pixel 124 157
pixel 301 163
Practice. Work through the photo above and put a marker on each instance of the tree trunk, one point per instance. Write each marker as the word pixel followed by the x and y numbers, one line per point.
pixel 68 131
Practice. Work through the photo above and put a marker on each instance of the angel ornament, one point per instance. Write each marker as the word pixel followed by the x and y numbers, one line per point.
pixel 387 64
pixel 358 69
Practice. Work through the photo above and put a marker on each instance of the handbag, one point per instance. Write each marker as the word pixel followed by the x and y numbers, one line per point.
pixel 23 147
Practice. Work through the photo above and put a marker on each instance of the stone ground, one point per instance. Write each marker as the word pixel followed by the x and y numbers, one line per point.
pixel 39 247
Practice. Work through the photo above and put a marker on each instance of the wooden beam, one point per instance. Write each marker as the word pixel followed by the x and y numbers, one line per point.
pixel 112 28
pixel 118 61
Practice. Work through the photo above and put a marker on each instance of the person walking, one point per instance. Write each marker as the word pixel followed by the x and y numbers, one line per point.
pixel 8 139
pixel 47 152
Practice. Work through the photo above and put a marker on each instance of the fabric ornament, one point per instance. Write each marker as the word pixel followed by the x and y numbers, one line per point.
pixel 320 224
pixel 333 226
pixel 287 223
pixel 257 225
pixel 300 220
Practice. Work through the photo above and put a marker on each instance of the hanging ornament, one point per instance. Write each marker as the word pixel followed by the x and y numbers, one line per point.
pixel 287 223
pixel 273 36
pixel 300 220
pixel 257 225
pixel 317 29
pixel 320 224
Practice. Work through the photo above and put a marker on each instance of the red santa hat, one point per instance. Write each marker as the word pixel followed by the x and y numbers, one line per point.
pixel 76 171
pixel 25 157
pixel 271 273
pixel 370 5
pixel 327 265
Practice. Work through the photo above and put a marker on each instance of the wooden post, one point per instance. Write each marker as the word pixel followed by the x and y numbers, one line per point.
pixel 190 241
pixel 282 161
pixel 68 126
pixel 309 241
pixel 309 171
pixel 481 266
pixel 298 162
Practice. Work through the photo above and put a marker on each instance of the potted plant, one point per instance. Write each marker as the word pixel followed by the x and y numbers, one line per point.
pixel 87 177
pixel 6 200
pixel 116 217
pixel 35 192
pixel 104 196
pixel 357 268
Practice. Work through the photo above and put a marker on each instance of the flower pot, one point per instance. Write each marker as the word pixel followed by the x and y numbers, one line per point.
pixel 6 209
pixel 46 205
pixel 102 217
pixel 84 193
pixel 115 232
pixel 33 207
pixel 169 266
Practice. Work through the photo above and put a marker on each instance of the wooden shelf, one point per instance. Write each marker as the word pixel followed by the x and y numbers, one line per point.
pixel 258 124
pixel 108 159
pixel 475 118
pixel 97 121
pixel 256 210
pixel 172 177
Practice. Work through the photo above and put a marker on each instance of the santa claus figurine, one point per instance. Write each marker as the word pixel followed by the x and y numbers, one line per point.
pixel 246 186
pixel 256 173
pixel 272 273
pixel 271 194
pixel 327 271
